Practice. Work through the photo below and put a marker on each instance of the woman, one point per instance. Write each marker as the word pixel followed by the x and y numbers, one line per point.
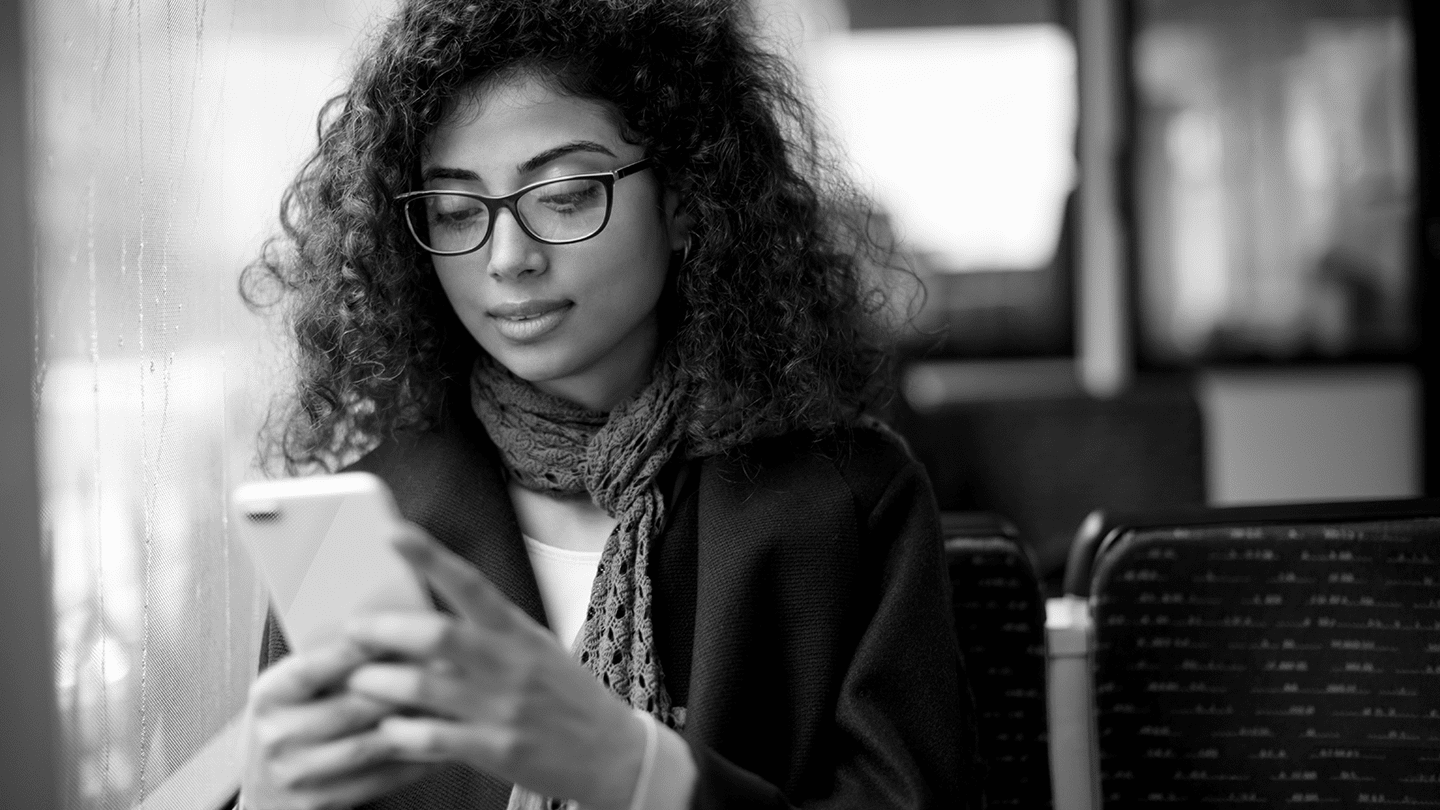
pixel 569 276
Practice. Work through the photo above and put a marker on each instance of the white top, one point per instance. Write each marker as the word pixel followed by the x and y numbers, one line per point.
pixel 565 578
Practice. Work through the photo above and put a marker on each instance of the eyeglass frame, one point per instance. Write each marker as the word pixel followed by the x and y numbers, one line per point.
pixel 508 202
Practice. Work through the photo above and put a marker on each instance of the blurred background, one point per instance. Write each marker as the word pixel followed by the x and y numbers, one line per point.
pixel 1176 252
pixel 1171 248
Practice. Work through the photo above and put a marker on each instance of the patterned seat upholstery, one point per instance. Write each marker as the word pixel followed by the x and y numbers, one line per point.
pixel 1267 656
pixel 999 618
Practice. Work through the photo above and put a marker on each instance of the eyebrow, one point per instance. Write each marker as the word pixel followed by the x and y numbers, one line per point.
pixel 561 151
pixel 526 167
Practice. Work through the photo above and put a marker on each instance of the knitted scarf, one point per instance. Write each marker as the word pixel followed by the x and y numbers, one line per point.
pixel 551 445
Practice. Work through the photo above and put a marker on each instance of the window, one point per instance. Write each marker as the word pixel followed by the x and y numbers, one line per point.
pixel 960 119
pixel 1274 184
pixel 163 134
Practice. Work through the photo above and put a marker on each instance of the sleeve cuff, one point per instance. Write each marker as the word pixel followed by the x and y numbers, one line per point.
pixel 671 781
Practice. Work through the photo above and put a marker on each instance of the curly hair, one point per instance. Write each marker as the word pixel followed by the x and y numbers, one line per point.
pixel 775 319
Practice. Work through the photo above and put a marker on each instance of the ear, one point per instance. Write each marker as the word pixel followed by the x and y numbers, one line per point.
pixel 677 220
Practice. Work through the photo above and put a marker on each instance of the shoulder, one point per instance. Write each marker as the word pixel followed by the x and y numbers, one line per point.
pixel 428 469
pixel 408 450
pixel 868 463
pixel 879 467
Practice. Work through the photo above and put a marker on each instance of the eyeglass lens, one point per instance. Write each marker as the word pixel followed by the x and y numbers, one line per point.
pixel 564 211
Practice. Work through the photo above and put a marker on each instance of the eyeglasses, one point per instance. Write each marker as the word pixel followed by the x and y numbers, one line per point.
pixel 561 211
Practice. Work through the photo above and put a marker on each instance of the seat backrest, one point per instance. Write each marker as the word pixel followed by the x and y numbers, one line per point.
pixel 1269 655
pixel 1045 463
pixel 999 619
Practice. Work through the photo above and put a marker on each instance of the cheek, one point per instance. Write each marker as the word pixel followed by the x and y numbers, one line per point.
pixel 628 283
pixel 623 269
pixel 459 280
pixel 463 282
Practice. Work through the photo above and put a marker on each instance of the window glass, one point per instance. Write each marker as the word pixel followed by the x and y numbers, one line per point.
pixel 164 134
pixel 965 133
pixel 959 118
pixel 1274 182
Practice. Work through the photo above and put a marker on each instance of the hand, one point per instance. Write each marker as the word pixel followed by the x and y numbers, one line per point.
pixel 496 690
pixel 310 747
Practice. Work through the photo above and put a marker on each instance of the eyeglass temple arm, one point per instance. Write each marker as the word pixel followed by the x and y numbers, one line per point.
pixel 629 169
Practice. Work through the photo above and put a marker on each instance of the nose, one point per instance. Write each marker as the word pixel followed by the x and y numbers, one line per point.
pixel 513 253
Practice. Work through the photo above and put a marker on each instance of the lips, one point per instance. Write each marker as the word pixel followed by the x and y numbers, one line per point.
pixel 524 321
pixel 520 310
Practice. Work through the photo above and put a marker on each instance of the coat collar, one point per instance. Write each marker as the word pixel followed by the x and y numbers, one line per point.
pixel 449 480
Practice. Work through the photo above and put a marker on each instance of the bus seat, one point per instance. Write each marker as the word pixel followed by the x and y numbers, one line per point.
pixel 1252 655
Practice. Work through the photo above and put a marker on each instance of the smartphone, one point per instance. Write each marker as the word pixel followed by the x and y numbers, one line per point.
pixel 322 546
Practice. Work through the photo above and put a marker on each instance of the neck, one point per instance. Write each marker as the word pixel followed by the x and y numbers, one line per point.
pixel 615 377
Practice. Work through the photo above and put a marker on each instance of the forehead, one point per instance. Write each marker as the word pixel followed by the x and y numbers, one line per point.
pixel 511 118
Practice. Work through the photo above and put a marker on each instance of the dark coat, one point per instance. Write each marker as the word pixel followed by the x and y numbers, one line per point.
pixel 800 610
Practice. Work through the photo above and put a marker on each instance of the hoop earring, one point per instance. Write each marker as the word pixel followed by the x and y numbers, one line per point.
pixel 685 251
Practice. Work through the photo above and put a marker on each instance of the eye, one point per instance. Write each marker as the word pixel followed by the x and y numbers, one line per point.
pixel 454 212
pixel 571 196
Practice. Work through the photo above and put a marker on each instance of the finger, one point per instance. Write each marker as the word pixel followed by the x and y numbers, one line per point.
pixel 374 783
pixel 329 718
pixel 427 688
pixel 431 739
pixel 407 634
pixel 466 589
pixel 301 676
pixel 346 757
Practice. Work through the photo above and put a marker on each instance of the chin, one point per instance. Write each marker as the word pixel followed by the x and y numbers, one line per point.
pixel 535 364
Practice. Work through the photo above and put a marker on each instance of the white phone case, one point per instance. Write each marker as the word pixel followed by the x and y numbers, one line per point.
pixel 322 545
